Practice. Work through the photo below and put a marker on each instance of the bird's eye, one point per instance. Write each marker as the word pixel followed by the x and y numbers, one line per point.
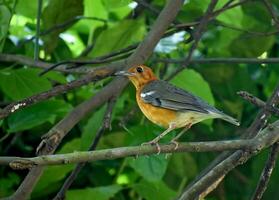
pixel 139 69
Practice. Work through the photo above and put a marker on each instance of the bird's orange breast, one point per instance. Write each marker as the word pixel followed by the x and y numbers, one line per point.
pixel 160 116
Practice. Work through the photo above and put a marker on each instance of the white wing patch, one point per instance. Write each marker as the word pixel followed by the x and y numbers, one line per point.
pixel 143 95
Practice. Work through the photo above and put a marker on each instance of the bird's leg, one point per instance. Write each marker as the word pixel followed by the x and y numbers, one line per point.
pixel 156 140
pixel 174 140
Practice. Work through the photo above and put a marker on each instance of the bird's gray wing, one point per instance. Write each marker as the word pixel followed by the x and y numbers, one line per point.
pixel 162 94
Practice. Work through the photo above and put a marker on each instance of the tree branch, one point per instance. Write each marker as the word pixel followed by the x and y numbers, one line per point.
pixel 258 102
pixel 58 132
pixel 38 30
pixel 197 36
pixel 266 173
pixel 228 161
pixel 24 60
pixel 267 137
pixel 105 126
pixel 221 60
pixel 272 12
pixel 270 163
pixel 100 73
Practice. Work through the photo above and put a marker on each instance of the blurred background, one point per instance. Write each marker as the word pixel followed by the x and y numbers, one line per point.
pixel 88 29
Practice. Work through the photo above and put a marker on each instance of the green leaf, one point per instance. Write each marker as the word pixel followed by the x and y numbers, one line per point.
pixel 21 83
pixel 94 9
pixel 193 82
pixel 53 174
pixel 27 8
pixel 7 184
pixel 91 128
pixel 123 34
pixel 5 17
pixel 98 193
pixel 183 165
pixel 251 46
pixel 113 4
pixel 232 16
pixel 37 114
pixel 58 12
pixel 154 190
pixel 118 9
pixel 151 168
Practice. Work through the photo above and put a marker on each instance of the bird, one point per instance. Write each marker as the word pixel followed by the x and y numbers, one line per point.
pixel 169 106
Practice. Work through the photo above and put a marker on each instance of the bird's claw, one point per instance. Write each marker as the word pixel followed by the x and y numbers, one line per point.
pixel 153 143
pixel 175 144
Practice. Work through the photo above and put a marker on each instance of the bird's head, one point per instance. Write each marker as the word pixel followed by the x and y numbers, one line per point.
pixel 138 75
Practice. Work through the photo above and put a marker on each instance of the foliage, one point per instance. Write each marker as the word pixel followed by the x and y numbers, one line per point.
pixel 115 25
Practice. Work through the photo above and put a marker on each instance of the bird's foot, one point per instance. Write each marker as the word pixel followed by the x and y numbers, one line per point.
pixel 152 142
pixel 175 144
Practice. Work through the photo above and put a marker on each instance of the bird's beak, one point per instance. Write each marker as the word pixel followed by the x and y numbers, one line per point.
pixel 124 73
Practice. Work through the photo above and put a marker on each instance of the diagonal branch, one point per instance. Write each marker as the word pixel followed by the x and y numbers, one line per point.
pixel 59 131
pixel 228 161
pixel 197 36
pixel 105 126
pixel 98 74
pixel 270 163
pixel 266 173
pixel 258 102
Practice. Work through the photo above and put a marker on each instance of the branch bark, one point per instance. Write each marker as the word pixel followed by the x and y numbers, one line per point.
pixel 266 173
pixel 221 60
pixel 197 36
pixel 105 126
pixel 229 160
pixel 24 60
pixel 56 134
pixel 266 138
pixel 98 74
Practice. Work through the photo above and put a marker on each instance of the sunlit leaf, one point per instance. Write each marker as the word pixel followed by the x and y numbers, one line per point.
pixel 58 12
pixel 121 35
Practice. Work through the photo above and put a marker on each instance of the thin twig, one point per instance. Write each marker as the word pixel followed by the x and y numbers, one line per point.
pixel 38 28
pixel 266 138
pixel 61 26
pixel 221 60
pixel 266 173
pixel 197 36
pixel 99 60
pixel 272 12
pixel 228 160
pixel 258 102
pixel 270 163
pixel 100 73
pixel 59 131
pixel 24 60
pixel 105 126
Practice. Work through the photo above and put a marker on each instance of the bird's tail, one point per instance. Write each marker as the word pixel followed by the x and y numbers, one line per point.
pixel 223 116
pixel 229 119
